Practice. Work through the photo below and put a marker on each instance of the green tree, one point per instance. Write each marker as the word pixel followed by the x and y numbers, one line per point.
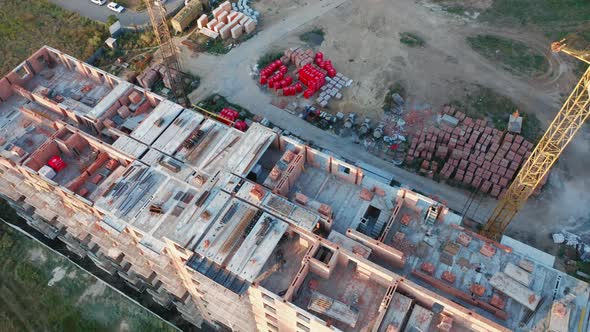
pixel 29 275
pixel 6 243
pixel 111 20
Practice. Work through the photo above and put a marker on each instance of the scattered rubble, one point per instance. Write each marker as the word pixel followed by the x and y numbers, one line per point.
pixel 572 240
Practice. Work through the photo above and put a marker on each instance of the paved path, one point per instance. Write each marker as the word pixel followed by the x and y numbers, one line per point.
pixel 101 13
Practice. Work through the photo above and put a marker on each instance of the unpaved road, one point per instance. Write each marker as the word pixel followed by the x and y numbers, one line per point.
pixel 369 36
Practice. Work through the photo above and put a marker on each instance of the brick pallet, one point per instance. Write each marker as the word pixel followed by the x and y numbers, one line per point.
pixel 473 153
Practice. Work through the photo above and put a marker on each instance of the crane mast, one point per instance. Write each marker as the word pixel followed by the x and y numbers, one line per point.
pixel 172 70
pixel 564 127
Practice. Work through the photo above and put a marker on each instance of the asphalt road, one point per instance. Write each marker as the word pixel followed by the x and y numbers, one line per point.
pixel 101 13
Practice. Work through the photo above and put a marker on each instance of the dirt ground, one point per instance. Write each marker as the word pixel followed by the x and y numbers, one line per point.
pixel 363 43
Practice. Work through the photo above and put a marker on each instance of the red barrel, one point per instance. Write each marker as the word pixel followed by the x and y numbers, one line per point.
pixel 230 113
pixel 241 125
pixel 56 163
pixel 298 87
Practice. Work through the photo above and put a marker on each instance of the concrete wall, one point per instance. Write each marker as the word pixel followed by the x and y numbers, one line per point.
pixel 381 250
pixel 225 306
pixel 5 89
pixel 40 157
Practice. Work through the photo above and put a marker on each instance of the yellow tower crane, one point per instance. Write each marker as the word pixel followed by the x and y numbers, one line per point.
pixel 566 124
pixel 172 71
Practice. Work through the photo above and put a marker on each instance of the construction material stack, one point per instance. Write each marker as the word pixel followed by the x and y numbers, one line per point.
pixel 298 56
pixel 325 65
pixel 186 15
pixel 313 78
pixel 226 23
pixel 230 116
pixel 314 72
pixel 274 75
pixel 473 153
pixel 243 6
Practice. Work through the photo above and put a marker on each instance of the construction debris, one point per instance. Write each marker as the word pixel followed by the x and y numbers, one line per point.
pixel 333 308
pixel 517 291
pixel 420 319
pixel 560 317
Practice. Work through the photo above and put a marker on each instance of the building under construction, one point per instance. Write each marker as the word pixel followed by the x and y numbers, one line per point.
pixel 253 231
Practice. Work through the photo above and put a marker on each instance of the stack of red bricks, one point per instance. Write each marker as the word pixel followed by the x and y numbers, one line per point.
pixel 473 153
pixel 402 244
pixel 298 56
pixel 429 168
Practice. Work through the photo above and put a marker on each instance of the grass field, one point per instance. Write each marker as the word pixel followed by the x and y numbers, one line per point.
pixel 512 55
pixel 26 25
pixel 268 57
pixel 554 17
pixel 313 38
pixel 411 39
pixel 215 103
pixel 75 301
pixel 485 103
pixel 397 87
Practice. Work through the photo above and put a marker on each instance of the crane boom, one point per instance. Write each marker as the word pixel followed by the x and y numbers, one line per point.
pixel 172 70
pixel 564 127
